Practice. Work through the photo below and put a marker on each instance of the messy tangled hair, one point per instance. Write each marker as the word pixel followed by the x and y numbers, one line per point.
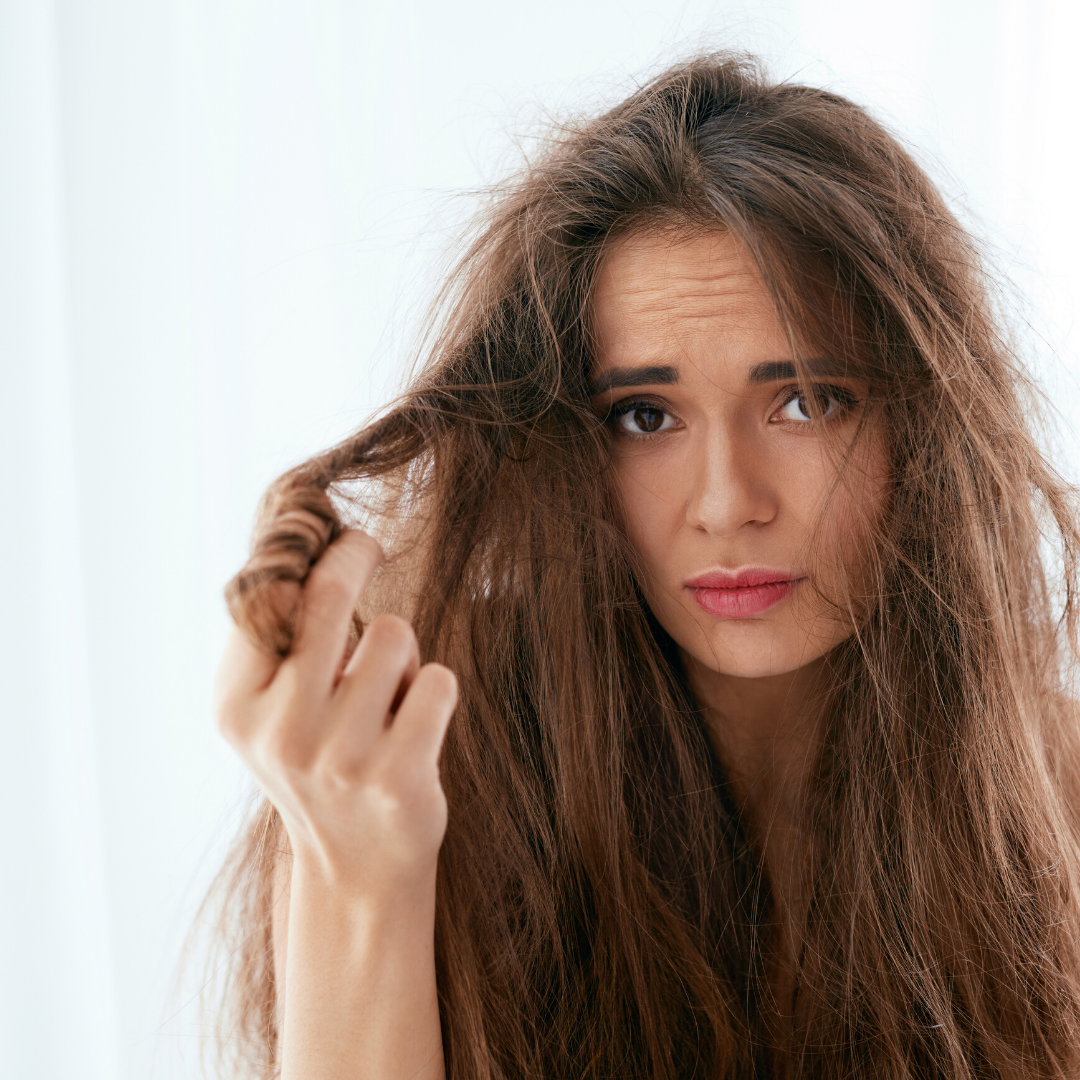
pixel 602 909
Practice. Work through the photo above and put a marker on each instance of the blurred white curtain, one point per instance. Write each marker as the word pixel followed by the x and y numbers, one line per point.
pixel 57 1007
pixel 217 221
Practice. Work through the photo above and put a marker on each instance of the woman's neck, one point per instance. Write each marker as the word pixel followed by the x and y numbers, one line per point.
pixel 766 731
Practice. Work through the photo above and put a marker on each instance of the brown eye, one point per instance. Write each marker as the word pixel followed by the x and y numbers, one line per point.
pixel 643 418
pixel 829 400
pixel 648 419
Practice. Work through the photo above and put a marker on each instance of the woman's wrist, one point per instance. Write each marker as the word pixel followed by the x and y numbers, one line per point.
pixel 359 992
pixel 394 923
pixel 374 893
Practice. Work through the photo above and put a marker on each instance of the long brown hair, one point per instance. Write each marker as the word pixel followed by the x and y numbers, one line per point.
pixel 602 909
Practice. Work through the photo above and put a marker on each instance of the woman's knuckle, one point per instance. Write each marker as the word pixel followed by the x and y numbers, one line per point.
pixel 287 692
pixel 383 779
pixel 335 774
pixel 284 748
pixel 328 586
pixel 408 775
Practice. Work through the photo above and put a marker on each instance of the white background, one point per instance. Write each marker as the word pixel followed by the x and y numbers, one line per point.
pixel 218 220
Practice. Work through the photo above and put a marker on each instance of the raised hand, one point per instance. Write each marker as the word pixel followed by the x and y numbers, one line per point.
pixel 350 760
pixel 347 750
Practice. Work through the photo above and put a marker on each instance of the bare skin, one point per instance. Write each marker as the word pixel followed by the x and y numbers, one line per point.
pixel 721 466
pixel 358 790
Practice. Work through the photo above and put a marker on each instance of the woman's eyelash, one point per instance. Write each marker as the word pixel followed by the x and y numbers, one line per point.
pixel 655 417
pixel 832 398
pixel 842 396
pixel 845 399
pixel 628 405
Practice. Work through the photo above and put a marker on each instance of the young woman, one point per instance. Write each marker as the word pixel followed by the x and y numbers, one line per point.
pixel 694 703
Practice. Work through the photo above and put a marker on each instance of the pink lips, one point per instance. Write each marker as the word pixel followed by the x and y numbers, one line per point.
pixel 741 594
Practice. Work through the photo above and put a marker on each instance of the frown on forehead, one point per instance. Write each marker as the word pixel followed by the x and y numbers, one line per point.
pixel 658 293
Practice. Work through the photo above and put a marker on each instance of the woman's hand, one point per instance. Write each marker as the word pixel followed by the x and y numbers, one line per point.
pixel 349 757
pixel 347 749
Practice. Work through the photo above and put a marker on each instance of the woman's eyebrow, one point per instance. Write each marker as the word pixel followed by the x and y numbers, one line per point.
pixel 613 378
pixel 778 370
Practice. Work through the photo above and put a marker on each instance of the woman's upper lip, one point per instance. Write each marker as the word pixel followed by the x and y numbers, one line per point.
pixel 745 577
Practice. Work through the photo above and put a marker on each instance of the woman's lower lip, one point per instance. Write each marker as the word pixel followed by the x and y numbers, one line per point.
pixel 744 602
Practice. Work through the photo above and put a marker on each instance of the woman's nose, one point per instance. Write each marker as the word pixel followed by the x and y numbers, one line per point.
pixel 732 484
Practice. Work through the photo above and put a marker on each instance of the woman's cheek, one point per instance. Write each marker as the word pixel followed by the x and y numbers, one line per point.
pixel 850 515
pixel 649 497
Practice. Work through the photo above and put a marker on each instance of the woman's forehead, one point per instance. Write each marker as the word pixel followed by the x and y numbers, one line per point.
pixel 659 298
pixel 648 270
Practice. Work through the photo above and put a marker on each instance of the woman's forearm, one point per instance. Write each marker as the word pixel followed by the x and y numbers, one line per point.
pixel 360 994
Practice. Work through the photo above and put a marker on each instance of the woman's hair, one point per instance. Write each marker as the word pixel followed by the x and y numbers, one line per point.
pixel 602 908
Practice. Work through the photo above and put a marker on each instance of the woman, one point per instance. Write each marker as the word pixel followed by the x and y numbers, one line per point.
pixel 716 522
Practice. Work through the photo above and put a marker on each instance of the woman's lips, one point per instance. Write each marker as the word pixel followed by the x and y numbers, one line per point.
pixel 741 594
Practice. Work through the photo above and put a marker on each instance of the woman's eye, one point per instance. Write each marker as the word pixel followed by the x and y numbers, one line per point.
pixel 643 418
pixel 829 400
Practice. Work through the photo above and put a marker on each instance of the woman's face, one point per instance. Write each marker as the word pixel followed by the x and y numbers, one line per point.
pixel 723 475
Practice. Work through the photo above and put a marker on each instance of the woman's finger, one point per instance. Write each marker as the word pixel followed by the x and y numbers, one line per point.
pixel 388 628
pixel 416 735
pixel 381 669
pixel 330 596
pixel 244 672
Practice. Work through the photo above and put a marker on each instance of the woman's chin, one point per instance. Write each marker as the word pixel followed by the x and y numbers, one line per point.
pixel 755 655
